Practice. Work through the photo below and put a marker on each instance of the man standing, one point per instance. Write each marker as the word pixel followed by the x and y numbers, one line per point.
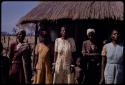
pixel 20 56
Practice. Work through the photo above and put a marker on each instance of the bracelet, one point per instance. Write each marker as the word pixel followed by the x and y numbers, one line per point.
pixel 53 63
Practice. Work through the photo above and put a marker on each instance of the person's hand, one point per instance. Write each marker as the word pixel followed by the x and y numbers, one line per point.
pixel 34 70
pixel 98 64
pixel 92 54
pixel 53 67
pixel 101 81
pixel 53 64
pixel 72 68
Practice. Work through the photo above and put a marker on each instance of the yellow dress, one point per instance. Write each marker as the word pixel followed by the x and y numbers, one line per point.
pixel 62 73
pixel 43 69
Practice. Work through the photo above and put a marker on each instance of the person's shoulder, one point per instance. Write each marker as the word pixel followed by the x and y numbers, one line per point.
pixel 68 41
pixel 57 39
pixel 70 38
pixel 85 41
pixel 107 45
pixel 47 48
pixel 13 43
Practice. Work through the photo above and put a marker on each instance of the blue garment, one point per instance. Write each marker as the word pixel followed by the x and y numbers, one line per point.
pixel 114 64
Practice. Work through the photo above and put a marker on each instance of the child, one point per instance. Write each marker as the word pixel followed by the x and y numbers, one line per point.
pixel 78 72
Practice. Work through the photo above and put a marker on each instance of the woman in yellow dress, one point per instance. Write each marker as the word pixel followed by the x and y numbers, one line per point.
pixel 42 65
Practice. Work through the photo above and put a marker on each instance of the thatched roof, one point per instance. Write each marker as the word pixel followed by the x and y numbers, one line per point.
pixel 53 10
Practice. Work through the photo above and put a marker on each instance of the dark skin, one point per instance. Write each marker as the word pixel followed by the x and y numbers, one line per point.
pixel 63 33
pixel 115 37
pixel 91 37
pixel 41 39
pixel 78 62
pixel 20 39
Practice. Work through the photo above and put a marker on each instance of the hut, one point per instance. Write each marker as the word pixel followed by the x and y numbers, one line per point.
pixel 77 16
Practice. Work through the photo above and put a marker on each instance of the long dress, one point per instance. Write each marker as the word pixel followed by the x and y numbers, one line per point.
pixel 63 61
pixel 113 72
pixel 43 67
pixel 90 62
pixel 20 69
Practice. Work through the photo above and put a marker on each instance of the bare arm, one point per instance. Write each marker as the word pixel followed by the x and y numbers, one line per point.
pixel 83 49
pixel 11 52
pixel 56 50
pixel 55 56
pixel 103 64
pixel 35 59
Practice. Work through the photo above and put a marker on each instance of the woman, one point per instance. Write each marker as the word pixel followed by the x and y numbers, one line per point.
pixel 42 65
pixel 20 56
pixel 112 61
pixel 90 53
pixel 78 72
pixel 62 59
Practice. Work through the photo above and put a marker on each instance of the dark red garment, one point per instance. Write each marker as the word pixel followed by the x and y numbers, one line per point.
pixel 20 72
pixel 89 47
pixel 91 61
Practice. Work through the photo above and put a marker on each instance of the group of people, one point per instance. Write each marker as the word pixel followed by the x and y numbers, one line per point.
pixel 65 68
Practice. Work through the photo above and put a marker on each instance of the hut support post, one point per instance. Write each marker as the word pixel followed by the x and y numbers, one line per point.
pixel 36 32
pixel 35 42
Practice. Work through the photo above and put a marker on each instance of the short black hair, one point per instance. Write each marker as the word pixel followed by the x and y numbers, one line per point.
pixel 115 29
pixel 66 32
pixel 23 32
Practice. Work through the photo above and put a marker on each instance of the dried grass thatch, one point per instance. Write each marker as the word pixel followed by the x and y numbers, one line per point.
pixel 53 10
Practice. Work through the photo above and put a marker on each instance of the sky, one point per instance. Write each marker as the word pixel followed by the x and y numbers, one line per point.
pixel 12 11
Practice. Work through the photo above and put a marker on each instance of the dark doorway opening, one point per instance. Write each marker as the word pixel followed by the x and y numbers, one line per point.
pixel 77 29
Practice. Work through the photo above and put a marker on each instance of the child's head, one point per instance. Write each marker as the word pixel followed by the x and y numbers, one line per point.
pixel 78 61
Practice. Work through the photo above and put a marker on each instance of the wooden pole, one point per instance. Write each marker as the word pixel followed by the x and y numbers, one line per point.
pixel 35 42
pixel 36 32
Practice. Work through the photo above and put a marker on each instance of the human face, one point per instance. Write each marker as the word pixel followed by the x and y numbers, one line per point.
pixel 115 35
pixel 63 31
pixel 20 37
pixel 91 35
pixel 41 38
pixel 78 62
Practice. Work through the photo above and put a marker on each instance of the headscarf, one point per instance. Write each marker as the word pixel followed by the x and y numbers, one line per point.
pixel 90 30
